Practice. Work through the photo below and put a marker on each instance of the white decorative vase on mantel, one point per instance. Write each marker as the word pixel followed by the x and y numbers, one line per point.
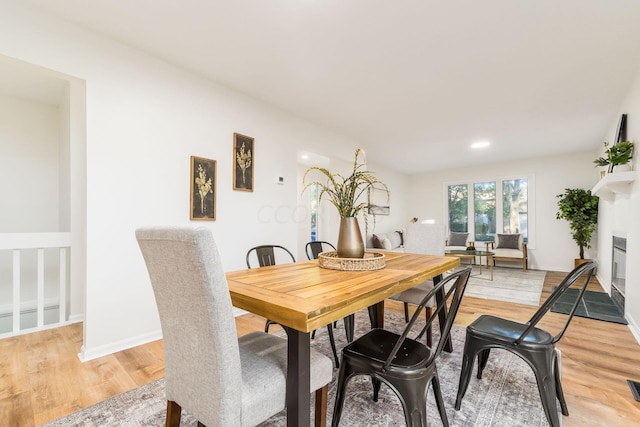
pixel 622 168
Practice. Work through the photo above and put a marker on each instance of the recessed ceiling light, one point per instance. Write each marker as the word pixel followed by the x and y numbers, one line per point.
pixel 480 144
pixel 304 157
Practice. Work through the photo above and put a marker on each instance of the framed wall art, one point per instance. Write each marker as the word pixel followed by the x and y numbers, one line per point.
pixel 243 162
pixel 378 202
pixel 203 189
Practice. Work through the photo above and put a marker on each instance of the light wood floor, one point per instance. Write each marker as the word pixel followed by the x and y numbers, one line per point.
pixel 41 378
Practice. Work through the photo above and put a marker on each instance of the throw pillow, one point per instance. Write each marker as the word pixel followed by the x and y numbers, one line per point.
pixel 386 244
pixel 395 238
pixel 458 239
pixel 508 241
pixel 377 241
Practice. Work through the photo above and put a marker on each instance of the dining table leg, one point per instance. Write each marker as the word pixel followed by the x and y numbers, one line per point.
pixel 298 394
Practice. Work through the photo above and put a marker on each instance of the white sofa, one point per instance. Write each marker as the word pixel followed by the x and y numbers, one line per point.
pixel 390 241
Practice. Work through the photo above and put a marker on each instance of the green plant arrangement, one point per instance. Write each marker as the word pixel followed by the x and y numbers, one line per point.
pixel 617 154
pixel 580 208
pixel 346 193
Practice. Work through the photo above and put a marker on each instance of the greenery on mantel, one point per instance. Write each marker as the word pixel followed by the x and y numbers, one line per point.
pixel 345 192
pixel 580 208
pixel 618 154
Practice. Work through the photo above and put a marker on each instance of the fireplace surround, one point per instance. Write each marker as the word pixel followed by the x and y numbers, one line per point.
pixel 618 270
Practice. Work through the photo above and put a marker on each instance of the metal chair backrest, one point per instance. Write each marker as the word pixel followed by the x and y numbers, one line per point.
pixel 586 269
pixel 266 255
pixel 452 299
pixel 313 249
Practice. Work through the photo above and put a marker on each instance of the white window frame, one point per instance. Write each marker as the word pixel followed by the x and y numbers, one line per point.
pixel 531 204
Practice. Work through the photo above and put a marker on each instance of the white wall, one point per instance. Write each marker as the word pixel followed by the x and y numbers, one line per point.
pixel 144 119
pixel 29 172
pixel 551 246
pixel 29 143
pixel 620 217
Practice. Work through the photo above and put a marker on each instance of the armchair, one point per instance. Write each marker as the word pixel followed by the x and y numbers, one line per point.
pixel 509 247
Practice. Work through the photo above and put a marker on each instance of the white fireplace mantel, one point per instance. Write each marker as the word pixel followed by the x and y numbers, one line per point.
pixel 613 184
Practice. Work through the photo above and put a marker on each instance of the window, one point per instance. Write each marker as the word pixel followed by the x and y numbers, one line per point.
pixel 485 203
pixel 458 196
pixel 514 206
pixel 484 211
pixel 313 206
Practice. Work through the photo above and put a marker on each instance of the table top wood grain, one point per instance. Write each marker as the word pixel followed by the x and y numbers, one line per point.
pixel 305 297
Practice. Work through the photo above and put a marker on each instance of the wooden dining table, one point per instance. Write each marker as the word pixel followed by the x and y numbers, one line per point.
pixel 302 297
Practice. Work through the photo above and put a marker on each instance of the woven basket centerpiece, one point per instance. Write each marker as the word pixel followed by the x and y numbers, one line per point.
pixel 371 261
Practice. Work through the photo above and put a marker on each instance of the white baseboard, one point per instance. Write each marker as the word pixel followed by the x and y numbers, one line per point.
pixel 87 354
pixel 633 327
pixel 76 318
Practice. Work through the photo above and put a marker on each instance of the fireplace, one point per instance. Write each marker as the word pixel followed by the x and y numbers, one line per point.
pixel 618 270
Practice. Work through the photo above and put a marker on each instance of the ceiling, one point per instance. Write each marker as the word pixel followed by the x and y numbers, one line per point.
pixel 413 82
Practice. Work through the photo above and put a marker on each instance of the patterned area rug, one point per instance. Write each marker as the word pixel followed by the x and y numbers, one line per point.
pixel 508 284
pixel 507 395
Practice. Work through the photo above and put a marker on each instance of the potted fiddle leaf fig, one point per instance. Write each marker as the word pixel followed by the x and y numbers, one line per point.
pixel 620 153
pixel 580 208
pixel 348 195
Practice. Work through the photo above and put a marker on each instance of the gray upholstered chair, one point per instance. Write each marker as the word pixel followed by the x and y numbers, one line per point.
pixel 426 239
pixel 509 247
pixel 220 379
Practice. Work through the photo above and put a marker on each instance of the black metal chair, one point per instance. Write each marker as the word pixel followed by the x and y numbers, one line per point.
pixel 534 345
pixel 266 255
pixel 406 365
pixel 313 249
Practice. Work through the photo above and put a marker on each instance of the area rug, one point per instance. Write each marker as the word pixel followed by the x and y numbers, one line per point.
pixel 507 394
pixel 594 305
pixel 508 284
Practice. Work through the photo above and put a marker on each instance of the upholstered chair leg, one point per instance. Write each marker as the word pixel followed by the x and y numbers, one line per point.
pixel 320 414
pixel 173 414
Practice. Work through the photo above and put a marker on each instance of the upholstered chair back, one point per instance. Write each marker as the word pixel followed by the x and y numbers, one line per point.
pixel 428 239
pixel 196 316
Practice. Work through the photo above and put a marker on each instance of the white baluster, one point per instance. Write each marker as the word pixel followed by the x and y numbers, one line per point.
pixel 16 291
pixel 40 293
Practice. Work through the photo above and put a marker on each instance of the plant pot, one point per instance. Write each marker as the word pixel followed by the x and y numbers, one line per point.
pixel 350 244
pixel 578 261
pixel 622 168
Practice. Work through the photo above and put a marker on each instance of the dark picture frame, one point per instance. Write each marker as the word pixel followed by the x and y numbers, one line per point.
pixel 243 162
pixel 202 202
pixel 621 133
